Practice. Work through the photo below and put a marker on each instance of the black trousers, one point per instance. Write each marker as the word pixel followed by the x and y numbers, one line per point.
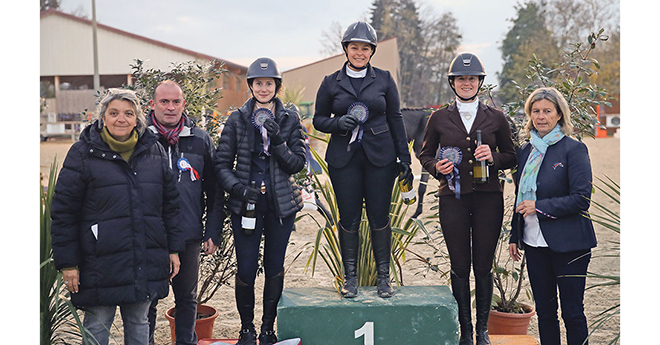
pixel 360 180
pixel 471 227
pixel 184 286
pixel 550 271
pixel 276 232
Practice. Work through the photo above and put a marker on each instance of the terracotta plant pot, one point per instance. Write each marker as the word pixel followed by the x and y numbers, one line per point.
pixel 206 316
pixel 510 323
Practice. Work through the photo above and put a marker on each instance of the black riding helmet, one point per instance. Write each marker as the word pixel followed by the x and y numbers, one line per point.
pixel 264 68
pixel 466 64
pixel 360 32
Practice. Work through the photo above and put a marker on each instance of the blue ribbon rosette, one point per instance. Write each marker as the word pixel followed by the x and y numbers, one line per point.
pixel 184 165
pixel 361 111
pixel 454 155
pixel 260 116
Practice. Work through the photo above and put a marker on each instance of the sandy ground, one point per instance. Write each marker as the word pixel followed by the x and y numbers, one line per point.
pixel 605 162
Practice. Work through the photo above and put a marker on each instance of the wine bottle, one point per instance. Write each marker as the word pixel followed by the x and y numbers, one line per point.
pixel 407 191
pixel 479 167
pixel 249 220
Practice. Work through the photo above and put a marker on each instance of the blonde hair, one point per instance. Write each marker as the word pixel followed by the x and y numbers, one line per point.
pixel 123 95
pixel 555 97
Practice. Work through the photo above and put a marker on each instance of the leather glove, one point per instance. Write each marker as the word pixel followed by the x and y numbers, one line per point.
pixel 273 130
pixel 406 172
pixel 348 122
pixel 247 194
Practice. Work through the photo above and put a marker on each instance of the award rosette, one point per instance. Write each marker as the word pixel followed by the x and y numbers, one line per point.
pixel 454 155
pixel 361 112
pixel 184 165
pixel 259 117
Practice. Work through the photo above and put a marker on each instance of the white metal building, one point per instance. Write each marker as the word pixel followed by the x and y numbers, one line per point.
pixel 67 66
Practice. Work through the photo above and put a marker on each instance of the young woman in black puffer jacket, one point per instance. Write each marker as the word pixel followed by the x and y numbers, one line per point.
pixel 262 142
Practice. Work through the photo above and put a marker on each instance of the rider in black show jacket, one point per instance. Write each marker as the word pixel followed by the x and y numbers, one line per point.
pixel 364 169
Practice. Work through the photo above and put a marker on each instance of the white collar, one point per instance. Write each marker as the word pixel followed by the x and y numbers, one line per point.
pixel 356 74
pixel 471 107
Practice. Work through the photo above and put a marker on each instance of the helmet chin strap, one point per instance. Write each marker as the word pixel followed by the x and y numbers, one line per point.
pixel 355 67
pixel 258 101
pixel 481 82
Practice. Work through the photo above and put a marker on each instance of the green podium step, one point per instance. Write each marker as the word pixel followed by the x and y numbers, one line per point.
pixel 414 315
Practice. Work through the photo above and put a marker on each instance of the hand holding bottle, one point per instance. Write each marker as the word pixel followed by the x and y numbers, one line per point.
pixel 405 183
pixel 406 173
pixel 247 194
pixel 482 152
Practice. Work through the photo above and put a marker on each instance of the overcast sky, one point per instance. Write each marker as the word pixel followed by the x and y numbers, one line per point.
pixel 288 31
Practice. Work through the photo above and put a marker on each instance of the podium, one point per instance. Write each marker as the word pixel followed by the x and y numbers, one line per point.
pixel 413 315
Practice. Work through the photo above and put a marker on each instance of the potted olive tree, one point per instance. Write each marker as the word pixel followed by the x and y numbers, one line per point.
pixel 508 315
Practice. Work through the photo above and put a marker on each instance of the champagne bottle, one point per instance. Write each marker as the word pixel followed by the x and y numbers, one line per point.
pixel 407 191
pixel 249 220
pixel 479 168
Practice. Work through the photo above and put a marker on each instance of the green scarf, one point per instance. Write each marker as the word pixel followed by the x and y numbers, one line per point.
pixel 124 148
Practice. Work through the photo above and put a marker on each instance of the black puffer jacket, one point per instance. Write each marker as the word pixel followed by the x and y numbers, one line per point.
pixel 116 221
pixel 234 152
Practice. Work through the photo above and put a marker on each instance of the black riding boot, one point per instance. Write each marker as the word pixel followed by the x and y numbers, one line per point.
pixel 272 292
pixel 460 287
pixel 484 297
pixel 381 241
pixel 349 241
pixel 245 304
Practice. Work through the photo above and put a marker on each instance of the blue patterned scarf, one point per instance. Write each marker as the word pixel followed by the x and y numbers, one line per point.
pixel 527 185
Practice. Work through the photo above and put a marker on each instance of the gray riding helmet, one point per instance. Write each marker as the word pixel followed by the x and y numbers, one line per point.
pixel 466 64
pixel 360 32
pixel 264 67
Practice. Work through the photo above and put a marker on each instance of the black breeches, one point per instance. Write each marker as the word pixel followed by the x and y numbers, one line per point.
pixel 360 180
pixel 471 227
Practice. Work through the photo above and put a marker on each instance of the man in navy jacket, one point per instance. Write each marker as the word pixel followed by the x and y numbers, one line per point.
pixel 190 153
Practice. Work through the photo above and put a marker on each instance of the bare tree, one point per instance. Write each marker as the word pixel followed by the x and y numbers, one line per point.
pixel 573 20
pixel 331 40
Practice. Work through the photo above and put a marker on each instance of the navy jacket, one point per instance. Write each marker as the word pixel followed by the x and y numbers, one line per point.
pixel 116 221
pixel 563 196
pixel 201 196
pixel 384 137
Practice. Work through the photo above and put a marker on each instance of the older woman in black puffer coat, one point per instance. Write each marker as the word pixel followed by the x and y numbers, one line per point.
pixel 115 232
pixel 262 144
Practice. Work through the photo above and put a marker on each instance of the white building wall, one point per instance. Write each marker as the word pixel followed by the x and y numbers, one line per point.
pixel 66 49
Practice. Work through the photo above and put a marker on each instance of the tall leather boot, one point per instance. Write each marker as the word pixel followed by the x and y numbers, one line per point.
pixel 484 297
pixel 349 241
pixel 460 287
pixel 245 304
pixel 272 292
pixel 381 241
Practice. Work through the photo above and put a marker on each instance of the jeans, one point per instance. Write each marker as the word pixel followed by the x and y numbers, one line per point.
pixel 548 271
pixel 98 320
pixel 184 285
